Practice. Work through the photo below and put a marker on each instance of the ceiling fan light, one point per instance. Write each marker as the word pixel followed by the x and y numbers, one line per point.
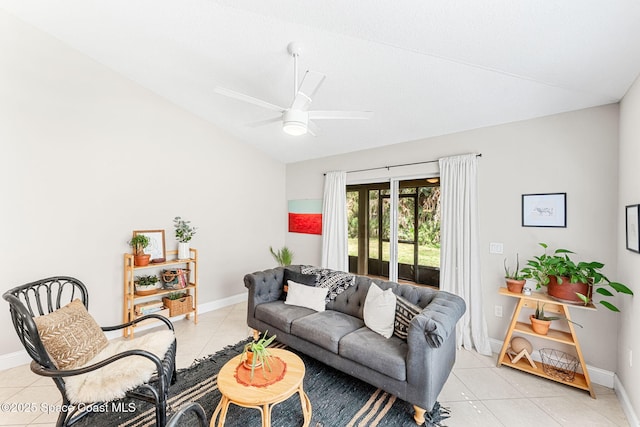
pixel 294 122
pixel 294 128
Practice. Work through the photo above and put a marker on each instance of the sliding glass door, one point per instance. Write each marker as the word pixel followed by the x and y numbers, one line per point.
pixel 369 207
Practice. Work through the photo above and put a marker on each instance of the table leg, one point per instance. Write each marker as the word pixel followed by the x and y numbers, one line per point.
pixel 266 415
pixel 221 409
pixel 306 407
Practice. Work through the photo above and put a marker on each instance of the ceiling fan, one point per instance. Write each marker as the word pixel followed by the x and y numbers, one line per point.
pixel 297 119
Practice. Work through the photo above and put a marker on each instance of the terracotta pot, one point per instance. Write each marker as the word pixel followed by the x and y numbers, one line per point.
pixel 566 291
pixel 249 360
pixel 141 260
pixel 515 286
pixel 540 326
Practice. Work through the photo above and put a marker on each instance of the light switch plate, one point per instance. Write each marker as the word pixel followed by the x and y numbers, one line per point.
pixel 496 248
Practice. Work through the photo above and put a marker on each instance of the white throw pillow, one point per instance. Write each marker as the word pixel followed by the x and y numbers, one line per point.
pixel 380 310
pixel 306 296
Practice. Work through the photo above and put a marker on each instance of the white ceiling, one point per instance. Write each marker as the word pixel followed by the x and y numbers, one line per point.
pixel 424 67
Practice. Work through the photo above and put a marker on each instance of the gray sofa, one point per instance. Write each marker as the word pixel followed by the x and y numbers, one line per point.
pixel 414 370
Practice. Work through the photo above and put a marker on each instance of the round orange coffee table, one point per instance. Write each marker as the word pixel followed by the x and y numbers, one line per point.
pixel 262 398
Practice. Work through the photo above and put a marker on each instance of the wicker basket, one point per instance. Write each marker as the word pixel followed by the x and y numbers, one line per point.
pixel 179 306
pixel 558 364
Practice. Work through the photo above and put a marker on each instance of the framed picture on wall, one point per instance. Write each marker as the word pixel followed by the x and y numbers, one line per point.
pixel 633 237
pixel 544 210
pixel 156 246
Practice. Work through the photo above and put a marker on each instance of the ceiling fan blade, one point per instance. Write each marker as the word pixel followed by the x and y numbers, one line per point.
pixel 265 122
pixel 348 115
pixel 246 98
pixel 308 88
pixel 312 128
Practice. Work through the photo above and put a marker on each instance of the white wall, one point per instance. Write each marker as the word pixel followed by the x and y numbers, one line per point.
pixel 87 156
pixel 574 152
pixel 629 262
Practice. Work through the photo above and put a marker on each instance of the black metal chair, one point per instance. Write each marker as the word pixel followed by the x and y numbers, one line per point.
pixel 186 414
pixel 48 295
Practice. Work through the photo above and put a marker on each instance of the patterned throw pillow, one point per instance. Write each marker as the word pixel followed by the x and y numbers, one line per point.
pixel 70 335
pixel 405 312
pixel 335 281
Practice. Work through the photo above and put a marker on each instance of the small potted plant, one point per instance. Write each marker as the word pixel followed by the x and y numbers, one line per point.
pixel 257 354
pixel 514 280
pixel 138 243
pixel 540 323
pixel 184 234
pixel 283 256
pixel 145 285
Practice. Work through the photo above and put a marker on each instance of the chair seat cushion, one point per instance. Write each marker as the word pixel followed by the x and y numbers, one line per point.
pixel 114 380
pixel 70 335
pixel 385 355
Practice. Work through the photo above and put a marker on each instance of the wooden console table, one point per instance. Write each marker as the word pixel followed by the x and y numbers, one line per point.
pixel 581 381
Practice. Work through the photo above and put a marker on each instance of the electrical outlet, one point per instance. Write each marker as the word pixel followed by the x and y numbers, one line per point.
pixel 498 310
pixel 496 248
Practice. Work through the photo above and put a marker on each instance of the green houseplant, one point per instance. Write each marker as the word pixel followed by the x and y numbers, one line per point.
pixel 540 322
pixel 283 256
pixel 257 353
pixel 513 278
pixel 184 233
pixel 145 283
pixel 138 243
pixel 571 281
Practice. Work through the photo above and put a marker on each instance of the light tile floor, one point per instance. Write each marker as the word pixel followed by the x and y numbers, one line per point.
pixel 478 393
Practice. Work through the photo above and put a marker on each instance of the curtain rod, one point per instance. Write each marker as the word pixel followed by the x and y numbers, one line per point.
pixel 397 166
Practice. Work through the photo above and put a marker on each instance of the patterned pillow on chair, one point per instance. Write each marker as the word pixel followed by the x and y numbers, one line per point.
pixel 71 336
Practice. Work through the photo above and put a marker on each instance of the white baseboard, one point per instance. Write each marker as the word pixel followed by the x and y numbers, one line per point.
pixel 11 360
pixel 627 407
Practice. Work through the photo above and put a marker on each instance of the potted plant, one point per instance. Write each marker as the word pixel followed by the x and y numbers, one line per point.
pixel 145 285
pixel 540 322
pixel 184 234
pixel 257 354
pixel 514 280
pixel 283 256
pixel 569 281
pixel 138 243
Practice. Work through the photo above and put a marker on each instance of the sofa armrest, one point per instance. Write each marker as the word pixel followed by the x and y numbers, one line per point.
pixel 264 286
pixel 439 318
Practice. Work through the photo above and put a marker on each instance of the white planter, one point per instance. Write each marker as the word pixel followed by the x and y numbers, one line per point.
pixel 183 251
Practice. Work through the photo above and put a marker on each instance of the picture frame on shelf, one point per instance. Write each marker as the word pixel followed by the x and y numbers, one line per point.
pixel 632 221
pixel 544 210
pixel 156 246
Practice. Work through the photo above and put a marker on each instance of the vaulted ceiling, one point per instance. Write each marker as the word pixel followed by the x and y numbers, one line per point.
pixel 425 68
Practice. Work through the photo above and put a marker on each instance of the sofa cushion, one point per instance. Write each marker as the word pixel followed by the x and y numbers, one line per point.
pixel 279 315
pixel 380 310
pixel 306 296
pixel 325 329
pixel 405 312
pixel 370 349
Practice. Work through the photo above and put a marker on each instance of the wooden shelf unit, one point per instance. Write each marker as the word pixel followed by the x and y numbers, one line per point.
pixel 581 380
pixel 130 297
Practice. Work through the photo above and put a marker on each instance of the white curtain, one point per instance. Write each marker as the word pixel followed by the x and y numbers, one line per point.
pixel 393 230
pixel 460 251
pixel 335 251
